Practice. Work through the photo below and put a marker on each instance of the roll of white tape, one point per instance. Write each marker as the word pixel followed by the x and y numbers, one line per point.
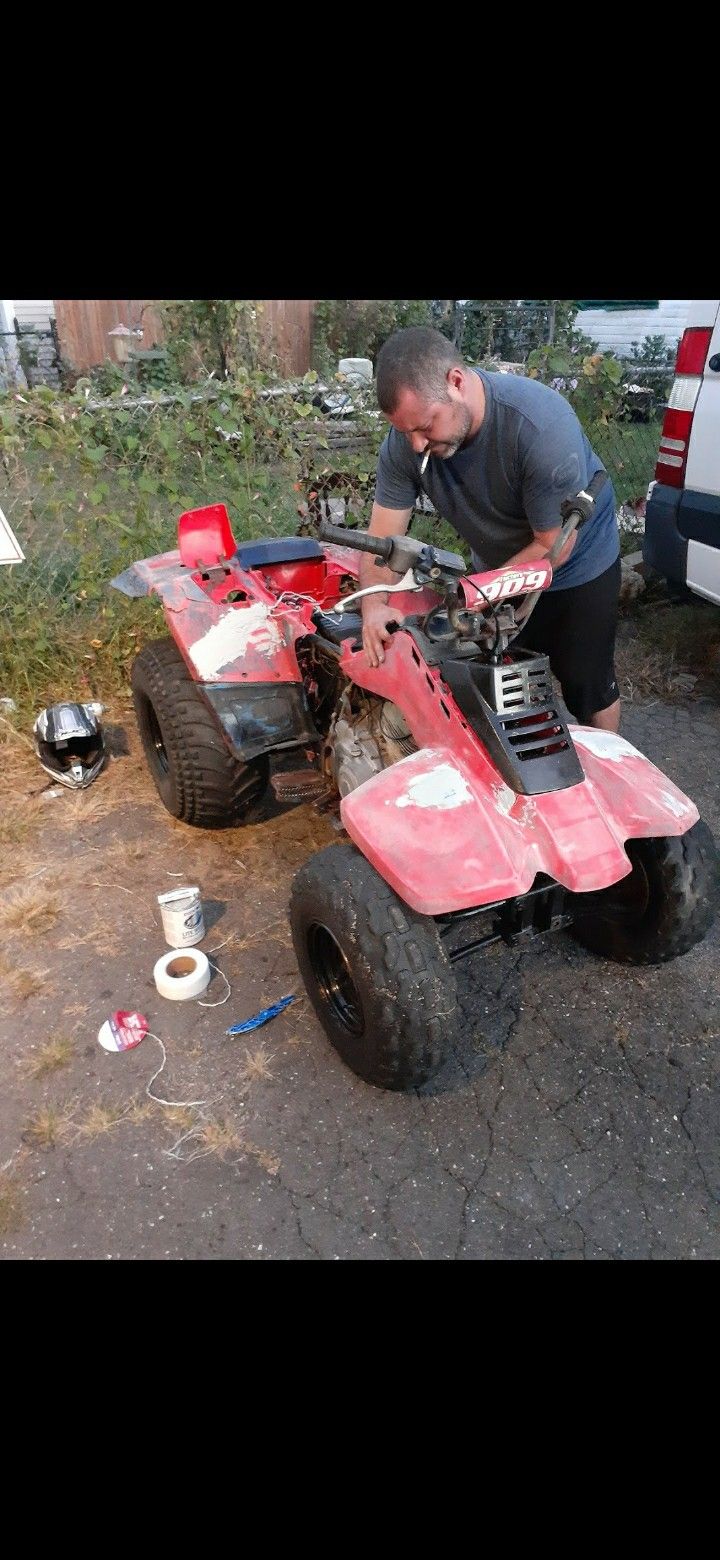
pixel 182 973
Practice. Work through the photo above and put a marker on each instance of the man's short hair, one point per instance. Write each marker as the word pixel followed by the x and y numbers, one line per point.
pixel 414 359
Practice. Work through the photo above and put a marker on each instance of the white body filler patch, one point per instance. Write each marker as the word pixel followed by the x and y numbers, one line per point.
pixel 230 637
pixel 504 798
pixel 678 809
pixel 444 787
pixel 604 744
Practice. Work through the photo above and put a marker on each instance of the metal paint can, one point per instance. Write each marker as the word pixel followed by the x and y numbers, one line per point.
pixel 182 917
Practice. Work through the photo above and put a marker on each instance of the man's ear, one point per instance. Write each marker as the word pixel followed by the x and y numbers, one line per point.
pixel 455 378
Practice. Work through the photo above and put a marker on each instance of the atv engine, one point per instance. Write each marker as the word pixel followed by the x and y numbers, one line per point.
pixel 363 741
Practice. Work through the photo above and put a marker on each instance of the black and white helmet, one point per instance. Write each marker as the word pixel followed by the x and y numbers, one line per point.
pixel 69 742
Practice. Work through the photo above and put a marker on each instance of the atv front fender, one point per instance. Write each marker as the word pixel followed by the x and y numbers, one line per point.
pixel 446 839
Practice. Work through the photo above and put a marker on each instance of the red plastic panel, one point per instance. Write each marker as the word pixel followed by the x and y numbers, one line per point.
pixel 205 536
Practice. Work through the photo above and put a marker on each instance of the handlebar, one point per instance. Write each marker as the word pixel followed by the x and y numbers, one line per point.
pixel 443 570
pixel 381 546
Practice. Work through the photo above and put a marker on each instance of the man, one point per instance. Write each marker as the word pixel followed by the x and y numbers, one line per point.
pixel 503 452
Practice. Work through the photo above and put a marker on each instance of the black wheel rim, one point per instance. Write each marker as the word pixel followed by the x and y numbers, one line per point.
pixel 335 983
pixel 156 741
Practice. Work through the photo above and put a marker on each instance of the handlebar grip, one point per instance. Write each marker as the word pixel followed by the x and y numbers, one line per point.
pixel 583 504
pixel 381 546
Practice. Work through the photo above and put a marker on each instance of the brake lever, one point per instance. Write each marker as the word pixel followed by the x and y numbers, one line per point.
pixel 408 582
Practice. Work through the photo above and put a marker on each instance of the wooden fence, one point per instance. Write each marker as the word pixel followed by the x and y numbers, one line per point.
pixel 83 325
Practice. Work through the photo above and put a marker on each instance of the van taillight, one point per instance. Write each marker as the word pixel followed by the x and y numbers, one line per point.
pixel 677 422
pixel 693 350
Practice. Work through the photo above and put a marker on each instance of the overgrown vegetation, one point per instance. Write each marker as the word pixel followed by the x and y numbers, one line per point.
pixel 90 487
pixel 495 328
pixel 357 327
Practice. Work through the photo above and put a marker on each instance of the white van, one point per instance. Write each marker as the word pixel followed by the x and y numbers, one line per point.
pixel 682 520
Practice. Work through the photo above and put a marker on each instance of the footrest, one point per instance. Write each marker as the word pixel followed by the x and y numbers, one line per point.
pixel 298 785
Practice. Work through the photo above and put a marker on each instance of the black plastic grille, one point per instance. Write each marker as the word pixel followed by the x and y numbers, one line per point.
pixel 535 736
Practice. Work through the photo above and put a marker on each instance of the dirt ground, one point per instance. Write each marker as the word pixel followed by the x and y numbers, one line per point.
pixel 577 1117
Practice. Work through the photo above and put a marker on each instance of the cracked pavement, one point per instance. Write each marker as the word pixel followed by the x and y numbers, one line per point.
pixel 576 1119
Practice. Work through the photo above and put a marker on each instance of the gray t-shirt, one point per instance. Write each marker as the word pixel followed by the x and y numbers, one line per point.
pixel 510 480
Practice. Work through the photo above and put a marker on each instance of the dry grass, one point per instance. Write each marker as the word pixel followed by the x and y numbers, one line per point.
pixel 48 1127
pixel 275 932
pixel 178 1118
pixel 101 1118
pixel 643 673
pixel 76 1009
pixel 19 749
pixel 102 934
pixel 218 1137
pixel 256 1065
pixel 81 808
pixel 31 910
pixel 207 1137
pixel 19 823
pixel 269 1161
pixel 201 1137
pixel 56 1053
pixel 140 1110
pixel 19 983
pixel 10 1215
pixel 123 851
pixel 660 643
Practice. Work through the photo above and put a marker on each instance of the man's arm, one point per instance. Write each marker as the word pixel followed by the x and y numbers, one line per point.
pixel 375 610
pixel 540 547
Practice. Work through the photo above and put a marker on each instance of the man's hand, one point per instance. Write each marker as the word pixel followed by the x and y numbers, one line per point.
pixel 376 617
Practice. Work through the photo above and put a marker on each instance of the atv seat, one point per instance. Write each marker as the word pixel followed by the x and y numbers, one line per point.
pixel 337 626
pixel 287 549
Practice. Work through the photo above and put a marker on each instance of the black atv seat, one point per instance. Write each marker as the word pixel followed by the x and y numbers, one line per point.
pixel 337 626
pixel 287 549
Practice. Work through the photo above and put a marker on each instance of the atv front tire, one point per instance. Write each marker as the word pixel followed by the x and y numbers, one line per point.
pixel 375 970
pixel 661 909
pixel 196 776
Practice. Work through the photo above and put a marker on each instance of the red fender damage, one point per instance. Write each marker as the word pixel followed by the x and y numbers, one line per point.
pixel 447 838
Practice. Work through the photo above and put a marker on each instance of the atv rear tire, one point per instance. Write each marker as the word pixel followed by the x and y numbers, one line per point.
pixel 375 971
pixel 196 776
pixel 665 905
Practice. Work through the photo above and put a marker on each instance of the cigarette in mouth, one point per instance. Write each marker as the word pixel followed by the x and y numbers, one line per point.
pixel 425 460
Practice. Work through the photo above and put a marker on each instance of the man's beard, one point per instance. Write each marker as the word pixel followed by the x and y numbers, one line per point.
pixel 446 447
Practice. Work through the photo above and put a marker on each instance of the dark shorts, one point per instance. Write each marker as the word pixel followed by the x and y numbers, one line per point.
pixel 576 629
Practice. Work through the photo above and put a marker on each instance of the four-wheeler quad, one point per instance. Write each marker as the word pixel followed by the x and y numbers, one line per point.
pixel 465 793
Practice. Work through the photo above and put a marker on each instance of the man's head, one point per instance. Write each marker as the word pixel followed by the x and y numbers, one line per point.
pixel 426 392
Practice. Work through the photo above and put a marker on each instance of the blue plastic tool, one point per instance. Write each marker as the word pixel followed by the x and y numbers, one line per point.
pixel 260 1018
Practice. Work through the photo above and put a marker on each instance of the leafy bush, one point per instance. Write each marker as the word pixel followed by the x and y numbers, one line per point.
pixel 358 327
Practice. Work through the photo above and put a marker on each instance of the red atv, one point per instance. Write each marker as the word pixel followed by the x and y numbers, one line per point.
pixel 464 791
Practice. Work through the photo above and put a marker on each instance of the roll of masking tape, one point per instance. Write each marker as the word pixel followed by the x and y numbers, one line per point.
pixel 182 973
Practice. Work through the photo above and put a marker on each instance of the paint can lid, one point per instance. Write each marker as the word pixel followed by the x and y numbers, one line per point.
pixel 122 1031
pixel 176 893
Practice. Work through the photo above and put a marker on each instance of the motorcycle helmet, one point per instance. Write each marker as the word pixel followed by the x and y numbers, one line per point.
pixel 69 743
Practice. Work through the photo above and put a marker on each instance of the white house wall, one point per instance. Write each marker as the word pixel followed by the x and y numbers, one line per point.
pixel 617 329
pixel 35 312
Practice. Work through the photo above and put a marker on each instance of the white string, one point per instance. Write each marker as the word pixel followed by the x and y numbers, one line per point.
pixel 291 598
pixel 175 1104
pixel 227 983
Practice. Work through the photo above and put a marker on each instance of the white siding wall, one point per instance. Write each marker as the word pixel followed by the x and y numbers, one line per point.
pixel 34 312
pixel 616 329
